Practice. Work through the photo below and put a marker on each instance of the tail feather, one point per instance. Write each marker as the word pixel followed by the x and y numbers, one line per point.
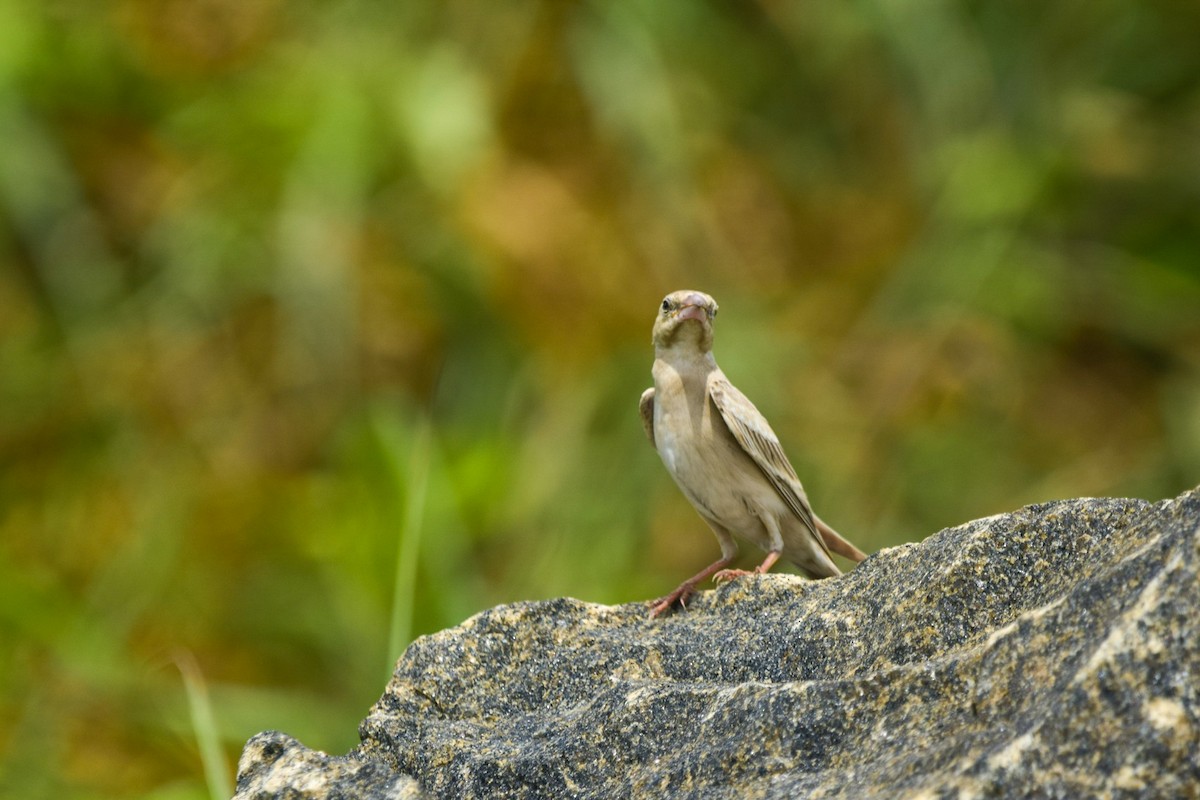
pixel 837 543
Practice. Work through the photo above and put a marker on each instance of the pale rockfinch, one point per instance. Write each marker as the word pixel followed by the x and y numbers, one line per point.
pixel 724 455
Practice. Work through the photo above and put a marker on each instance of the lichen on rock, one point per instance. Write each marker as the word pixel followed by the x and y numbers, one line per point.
pixel 1053 651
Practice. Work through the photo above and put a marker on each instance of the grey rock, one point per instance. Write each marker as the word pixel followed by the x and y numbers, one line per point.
pixel 1051 652
pixel 274 764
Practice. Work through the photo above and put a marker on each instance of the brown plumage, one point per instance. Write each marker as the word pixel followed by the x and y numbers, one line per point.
pixel 724 456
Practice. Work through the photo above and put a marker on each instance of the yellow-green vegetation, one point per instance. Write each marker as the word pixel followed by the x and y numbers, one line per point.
pixel 323 325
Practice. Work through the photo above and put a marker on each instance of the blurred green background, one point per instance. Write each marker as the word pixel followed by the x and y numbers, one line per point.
pixel 323 325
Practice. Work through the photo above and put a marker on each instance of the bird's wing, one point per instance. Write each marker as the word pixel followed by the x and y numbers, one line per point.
pixel 646 406
pixel 752 431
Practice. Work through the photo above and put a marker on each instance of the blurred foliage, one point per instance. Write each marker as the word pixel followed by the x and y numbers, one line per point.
pixel 323 321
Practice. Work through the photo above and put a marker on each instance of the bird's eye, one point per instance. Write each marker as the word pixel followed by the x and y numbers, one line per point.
pixel 715 310
pixel 666 305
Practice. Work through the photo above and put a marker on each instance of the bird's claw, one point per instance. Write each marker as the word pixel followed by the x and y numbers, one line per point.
pixel 726 575
pixel 665 604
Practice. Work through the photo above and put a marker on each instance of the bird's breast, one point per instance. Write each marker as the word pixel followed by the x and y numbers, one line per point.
pixel 711 470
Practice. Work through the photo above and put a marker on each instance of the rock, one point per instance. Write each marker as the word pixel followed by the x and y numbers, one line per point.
pixel 274 764
pixel 1051 652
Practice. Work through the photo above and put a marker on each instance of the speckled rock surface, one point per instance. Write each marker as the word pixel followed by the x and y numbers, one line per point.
pixel 274 764
pixel 1051 652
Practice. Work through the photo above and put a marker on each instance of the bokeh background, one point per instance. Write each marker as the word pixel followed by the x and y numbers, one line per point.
pixel 323 325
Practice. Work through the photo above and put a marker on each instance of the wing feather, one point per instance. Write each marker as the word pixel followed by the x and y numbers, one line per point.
pixel 646 407
pixel 752 431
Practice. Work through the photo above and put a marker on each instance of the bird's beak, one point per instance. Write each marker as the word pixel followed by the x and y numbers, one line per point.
pixel 695 307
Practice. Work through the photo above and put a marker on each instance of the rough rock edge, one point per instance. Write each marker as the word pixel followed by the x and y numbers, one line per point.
pixel 1065 567
pixel 274 764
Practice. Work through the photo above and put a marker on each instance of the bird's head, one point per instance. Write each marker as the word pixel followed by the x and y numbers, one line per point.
pixel 685 318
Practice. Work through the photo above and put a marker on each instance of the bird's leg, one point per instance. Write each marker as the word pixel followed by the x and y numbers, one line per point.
pixel 681 594
pixel 726 575
pixel 772 525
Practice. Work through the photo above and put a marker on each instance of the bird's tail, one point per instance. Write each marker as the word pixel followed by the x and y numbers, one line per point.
pixel 837 543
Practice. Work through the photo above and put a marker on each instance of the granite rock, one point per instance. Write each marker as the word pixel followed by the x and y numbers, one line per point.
pixel 274 764
pixel 1050 652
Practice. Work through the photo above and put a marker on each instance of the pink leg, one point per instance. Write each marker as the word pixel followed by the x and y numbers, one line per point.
pixel 729 574
pixel 686 588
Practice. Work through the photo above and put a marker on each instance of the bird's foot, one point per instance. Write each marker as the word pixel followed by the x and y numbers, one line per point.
pixel 726 575
pixel 680 596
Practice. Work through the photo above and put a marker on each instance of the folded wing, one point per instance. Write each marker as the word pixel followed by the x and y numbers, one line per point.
pixel 646 407
pixel 754 434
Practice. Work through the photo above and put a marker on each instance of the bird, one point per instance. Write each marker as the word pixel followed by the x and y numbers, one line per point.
pixel 725 457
